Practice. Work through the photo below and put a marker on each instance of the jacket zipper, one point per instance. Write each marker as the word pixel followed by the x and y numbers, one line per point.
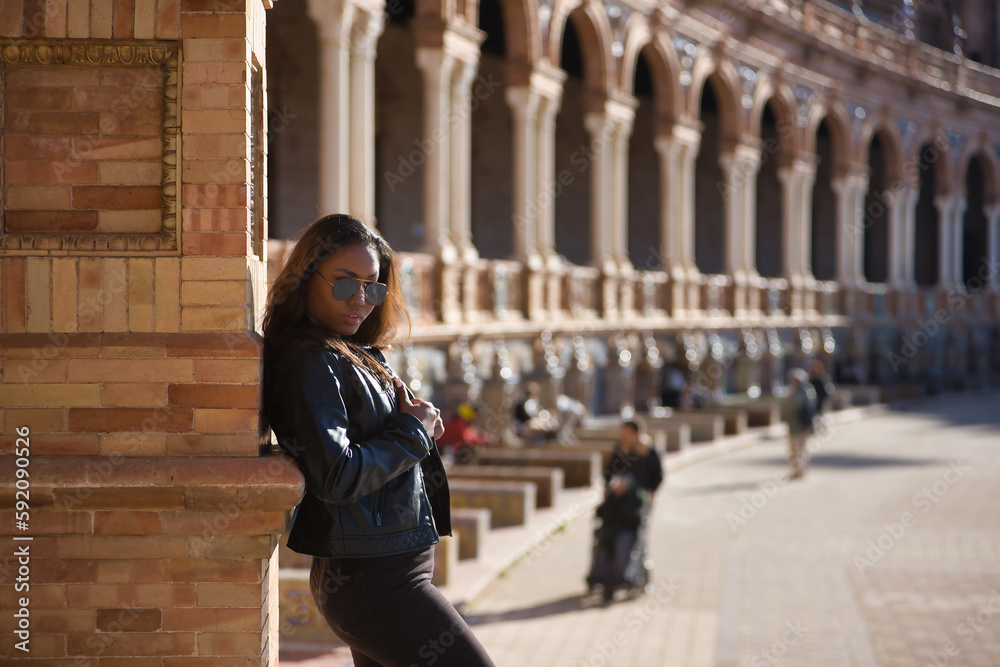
pixel 378 506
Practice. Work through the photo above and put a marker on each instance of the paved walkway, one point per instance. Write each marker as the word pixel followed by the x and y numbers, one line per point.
pixel 887 553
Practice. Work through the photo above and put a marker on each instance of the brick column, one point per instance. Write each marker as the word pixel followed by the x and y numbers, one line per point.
pixel 132 269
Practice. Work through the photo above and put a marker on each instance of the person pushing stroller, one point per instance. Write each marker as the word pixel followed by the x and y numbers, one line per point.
pixel 631 478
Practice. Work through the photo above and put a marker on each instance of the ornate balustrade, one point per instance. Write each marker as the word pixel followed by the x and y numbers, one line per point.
pixel 581 292
pixel 495 293
pixel 774 297
pixel 651 294
pixel 716 295
pixel 875 302
pixel 500 293
pixel 418 277
pixel 825 297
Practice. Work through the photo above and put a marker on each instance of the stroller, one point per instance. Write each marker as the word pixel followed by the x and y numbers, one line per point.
pixel 620 559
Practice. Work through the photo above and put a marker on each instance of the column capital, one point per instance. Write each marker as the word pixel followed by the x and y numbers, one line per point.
pixel 365 32
pixel 333 18
pixel 436 64
pixel 524 101
pixel 598 123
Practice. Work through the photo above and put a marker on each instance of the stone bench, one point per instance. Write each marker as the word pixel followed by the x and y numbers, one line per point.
pixel 548 481
pixel 579 468
pixel 666 435
pixel 861 395
pixel 470 525
pixel 603 446
pixel 762 412
pixel 705 426
pixel 445 559
pixel 509 503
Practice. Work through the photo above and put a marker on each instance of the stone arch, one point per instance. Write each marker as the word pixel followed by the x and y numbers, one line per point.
pixel 661 57
pixel 782 102
pixel 521 27
pixel 884 178
pixel 830 144
pixel 839 126
pixel 990 165
pixel 594 31
pixel 645 78
pixel 930 146
pixel 979 183
pixel 722 76
pixel 891 139
pixel 776 152
pixel 930 173
pixel 710 238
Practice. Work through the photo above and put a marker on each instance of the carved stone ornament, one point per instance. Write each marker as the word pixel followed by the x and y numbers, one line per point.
pixel 15 53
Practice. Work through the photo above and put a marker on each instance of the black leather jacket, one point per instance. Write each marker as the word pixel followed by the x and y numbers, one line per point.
pixel 375 484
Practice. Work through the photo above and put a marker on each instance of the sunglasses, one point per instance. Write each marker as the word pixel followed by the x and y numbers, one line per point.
pixel 345 288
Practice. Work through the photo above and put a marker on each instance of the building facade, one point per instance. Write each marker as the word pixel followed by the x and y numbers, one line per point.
pixel 610 186
pixel 579 192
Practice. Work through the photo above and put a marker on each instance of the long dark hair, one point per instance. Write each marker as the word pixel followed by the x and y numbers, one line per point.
pixel 286 314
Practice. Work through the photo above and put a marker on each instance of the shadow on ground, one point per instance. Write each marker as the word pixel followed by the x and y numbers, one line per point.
pixel 564 606
pixel 971 409
pixel 850 461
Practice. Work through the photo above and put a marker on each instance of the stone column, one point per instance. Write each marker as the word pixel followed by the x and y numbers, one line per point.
pixel 546 229
pixel 601 128
pixel 437 67
pixel 619 231
pixel 524 104
pixel 333 20
pixel 805 281
pixel 850 191
pixel 993 246
pixel 946 215
pixel 898 237
pixel 797 180
pixel 910 236
pixel 957 229
pixel 903 213
pixel 677 152
pixel 461 148
pixel 740 170
pixel 361 181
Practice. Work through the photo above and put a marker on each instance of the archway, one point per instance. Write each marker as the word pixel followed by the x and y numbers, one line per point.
pixel 824 207
pixel 400 148
pixel 710 215
pixel 293 103
pixel 573 155
pixel 876 213
pixel 770 232
pixel 927 225
pixel 644 242
pixel 974 224
pixel 491 159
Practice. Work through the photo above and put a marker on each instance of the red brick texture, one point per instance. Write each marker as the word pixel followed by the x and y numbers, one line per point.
pixel 92 130
pixel 154 516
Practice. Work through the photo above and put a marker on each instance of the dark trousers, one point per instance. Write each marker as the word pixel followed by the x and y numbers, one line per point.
pixel 389 613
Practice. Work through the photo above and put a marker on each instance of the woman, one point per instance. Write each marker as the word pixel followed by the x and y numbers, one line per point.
pixel 376 494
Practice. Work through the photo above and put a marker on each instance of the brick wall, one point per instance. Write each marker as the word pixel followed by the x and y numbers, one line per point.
pixel 131 282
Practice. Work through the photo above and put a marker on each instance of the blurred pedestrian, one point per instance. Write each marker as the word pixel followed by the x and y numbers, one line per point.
pixel 462 439
pixel 799 412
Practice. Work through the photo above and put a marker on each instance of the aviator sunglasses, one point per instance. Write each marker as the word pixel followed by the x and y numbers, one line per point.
pixel 345 288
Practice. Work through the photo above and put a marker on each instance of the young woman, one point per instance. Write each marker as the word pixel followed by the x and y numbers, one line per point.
pixel 376 493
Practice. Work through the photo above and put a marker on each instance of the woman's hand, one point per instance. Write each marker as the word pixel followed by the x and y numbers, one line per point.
pixel 425 411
